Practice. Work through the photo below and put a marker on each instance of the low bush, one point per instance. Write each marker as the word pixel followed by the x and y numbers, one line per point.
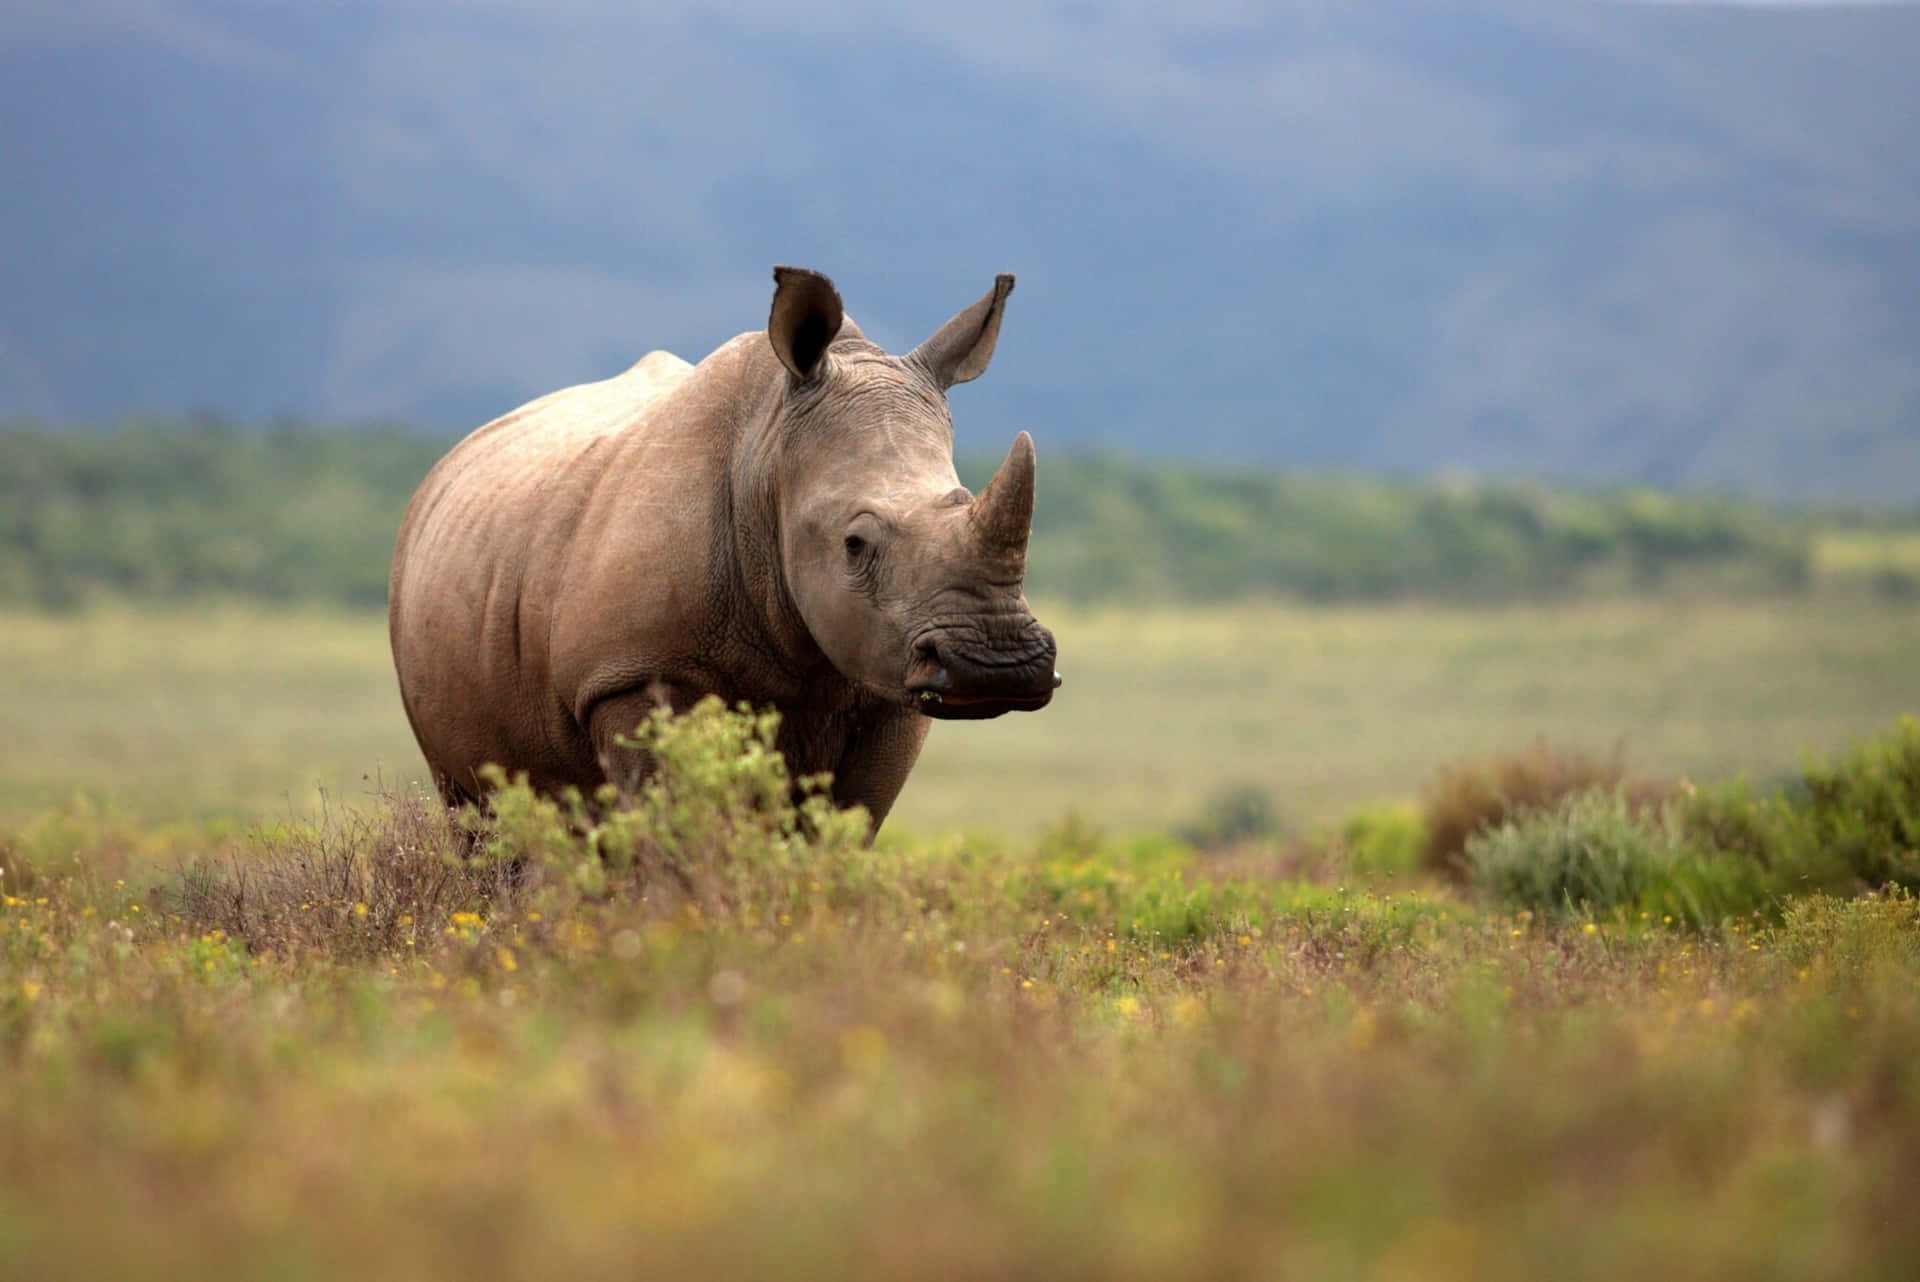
pixel 1242 813
pixel 1839 829
pixel 1864 812
pixel 1384 841
pixel 1588 853
pixel 1851 936
pixel 1481 794
pixel 1710 853
pixel 719 825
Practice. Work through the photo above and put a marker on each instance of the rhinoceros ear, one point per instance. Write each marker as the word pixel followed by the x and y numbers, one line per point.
pixel 806 316
pixel 960 351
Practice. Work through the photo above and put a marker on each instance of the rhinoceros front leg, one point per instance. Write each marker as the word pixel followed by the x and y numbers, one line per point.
pixel 878 757
pixel 618 717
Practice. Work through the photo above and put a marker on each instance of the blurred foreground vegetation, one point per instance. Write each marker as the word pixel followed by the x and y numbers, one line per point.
pixel 294 513
pixel 708 1036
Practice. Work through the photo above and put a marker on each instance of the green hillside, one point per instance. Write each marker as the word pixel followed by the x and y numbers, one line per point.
pixel 170 511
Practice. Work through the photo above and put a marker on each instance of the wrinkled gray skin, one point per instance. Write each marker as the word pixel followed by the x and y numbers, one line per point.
pixel 780 524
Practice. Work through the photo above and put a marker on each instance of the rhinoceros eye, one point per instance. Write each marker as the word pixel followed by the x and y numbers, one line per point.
pixel 855 545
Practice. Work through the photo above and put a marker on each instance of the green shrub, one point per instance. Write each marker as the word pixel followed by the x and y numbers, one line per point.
pixel 1231 816
pixel 1481 794
pixel 719 824
pixel 1851 936
pixel 1384 841
pixel 1587 853
pixel 1732 819
pixel 1598 854
pixel 1835 829
pixel 1864 813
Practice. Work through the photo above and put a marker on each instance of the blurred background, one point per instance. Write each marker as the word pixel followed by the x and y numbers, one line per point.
pixel 1410 379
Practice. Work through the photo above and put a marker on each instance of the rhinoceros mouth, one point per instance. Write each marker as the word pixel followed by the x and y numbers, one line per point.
pixel 957 682
pixel 959 707
pixel 937 695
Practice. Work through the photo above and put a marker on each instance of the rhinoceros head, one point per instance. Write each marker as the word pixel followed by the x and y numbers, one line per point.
pixel 910 585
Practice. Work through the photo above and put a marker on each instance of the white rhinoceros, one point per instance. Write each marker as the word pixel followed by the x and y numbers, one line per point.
pixel 780 524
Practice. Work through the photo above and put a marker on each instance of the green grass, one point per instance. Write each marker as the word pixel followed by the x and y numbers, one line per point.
pixel 240 712
pixel 227 711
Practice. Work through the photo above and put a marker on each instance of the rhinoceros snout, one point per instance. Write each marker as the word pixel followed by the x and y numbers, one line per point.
pixel 959 677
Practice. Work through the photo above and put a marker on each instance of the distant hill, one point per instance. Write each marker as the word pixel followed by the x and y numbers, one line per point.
pixel 1672 245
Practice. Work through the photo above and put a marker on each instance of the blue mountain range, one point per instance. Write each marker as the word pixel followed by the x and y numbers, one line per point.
pixel 1677 244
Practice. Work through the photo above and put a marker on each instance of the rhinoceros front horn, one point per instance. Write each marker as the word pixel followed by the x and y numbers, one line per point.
pixel 1003 514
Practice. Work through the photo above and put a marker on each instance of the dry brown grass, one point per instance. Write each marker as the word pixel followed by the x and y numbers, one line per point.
pixel 350 885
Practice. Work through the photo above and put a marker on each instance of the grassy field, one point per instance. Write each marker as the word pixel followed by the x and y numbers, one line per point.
pixel 332 1054
pixel 710 1045
pixel 240 713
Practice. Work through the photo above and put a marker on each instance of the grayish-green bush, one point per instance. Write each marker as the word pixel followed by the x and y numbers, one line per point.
pixel 1588 853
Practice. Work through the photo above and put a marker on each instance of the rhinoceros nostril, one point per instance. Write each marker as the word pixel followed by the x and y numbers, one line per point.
pixel 927 675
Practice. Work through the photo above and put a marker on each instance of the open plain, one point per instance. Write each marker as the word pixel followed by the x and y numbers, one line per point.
pixel 246 1035
pixel 242 712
